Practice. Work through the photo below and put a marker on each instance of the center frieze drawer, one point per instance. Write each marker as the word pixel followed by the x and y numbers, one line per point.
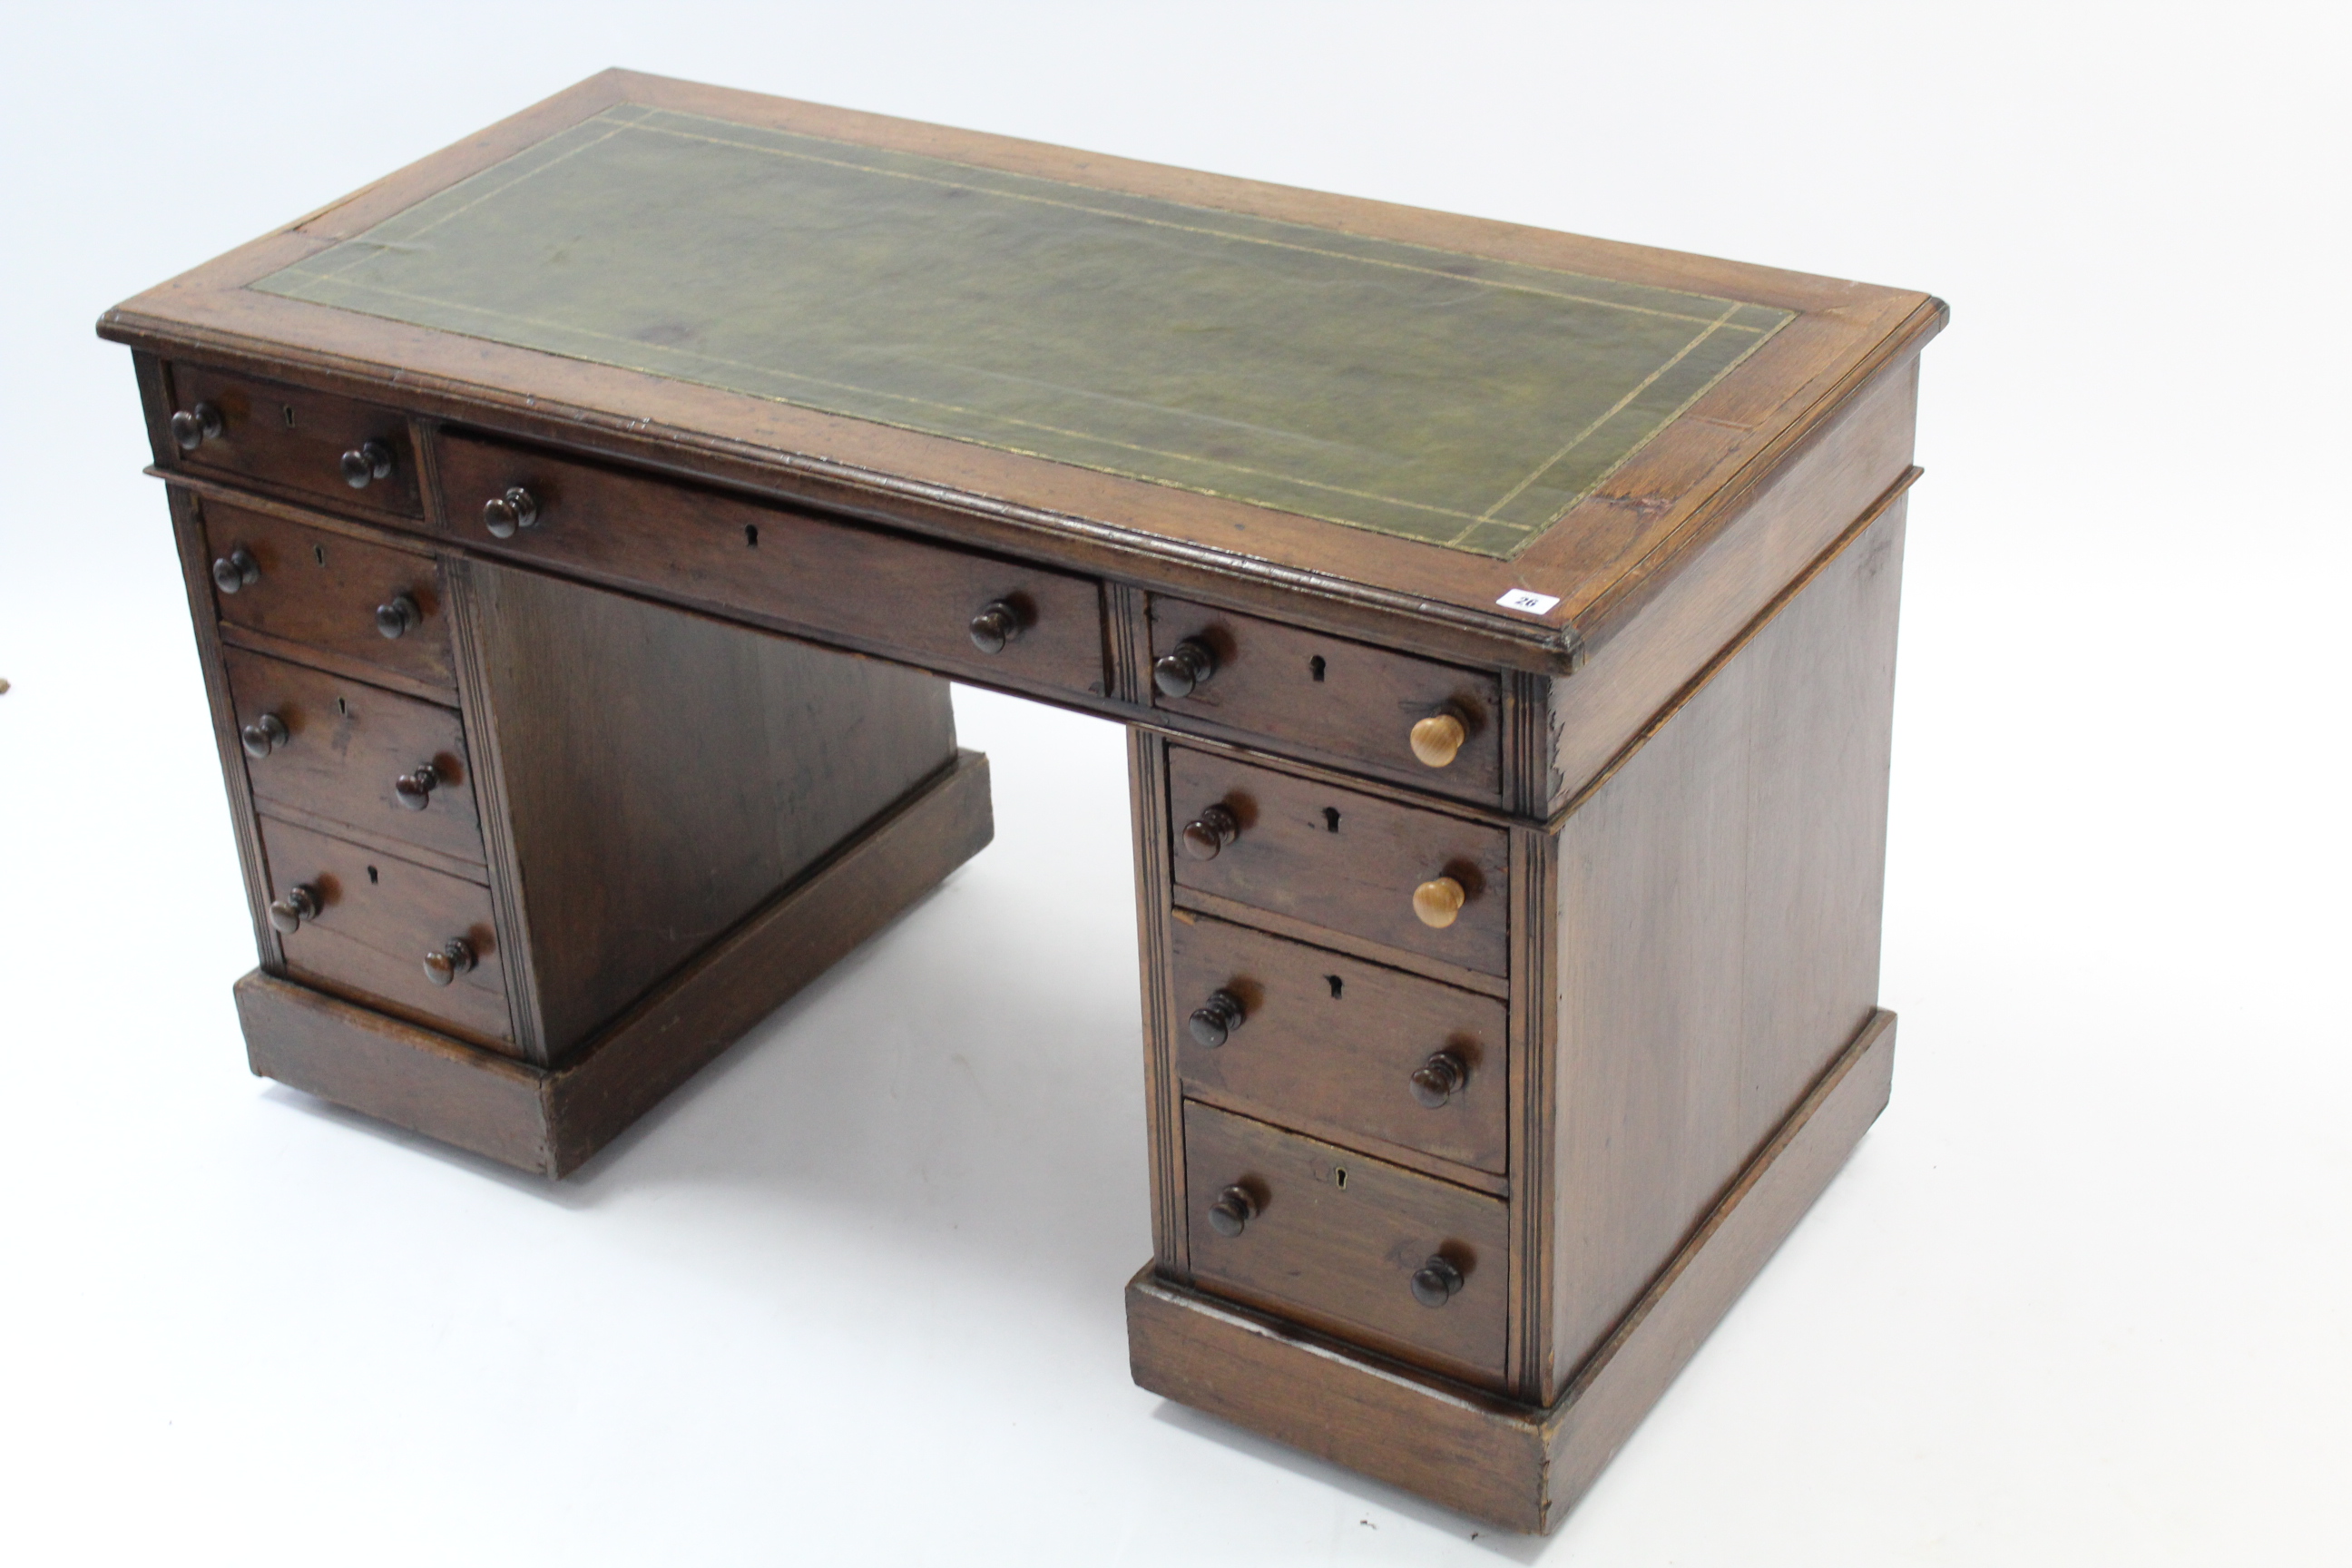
pixel 389 931
pixel 931 605
pixel 324 746
pixel 1402 876
pixel 1316 1039
pixel 1403 1263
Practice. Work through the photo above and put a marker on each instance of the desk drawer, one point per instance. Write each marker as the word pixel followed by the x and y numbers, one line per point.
pixel 388 765
pixel 1358 704
pixel 892 594
pixel 294 438
pixel 1336 1240
pixel 1344 861
pixel 1335 1044
pixel 345 596
pixel 371 921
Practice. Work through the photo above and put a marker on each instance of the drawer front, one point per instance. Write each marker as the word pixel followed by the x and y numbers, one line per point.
pixel 328 591
pixel 1337 1238
pixel 1354 703
pixel 292 438
pixel 1344 861
pixel 378 917
pixel 345 748
pixel 899 596
pixel 1334 1042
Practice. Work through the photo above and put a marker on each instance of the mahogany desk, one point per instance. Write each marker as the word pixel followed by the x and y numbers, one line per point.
pixel 581 527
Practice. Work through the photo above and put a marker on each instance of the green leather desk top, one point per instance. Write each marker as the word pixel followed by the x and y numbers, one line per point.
pixel 1435 396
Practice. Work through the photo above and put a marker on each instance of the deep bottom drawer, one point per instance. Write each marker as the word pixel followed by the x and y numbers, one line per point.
pixel 377 918
pixel 1337 1240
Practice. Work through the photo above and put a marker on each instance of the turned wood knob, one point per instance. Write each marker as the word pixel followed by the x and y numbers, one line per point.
pixel 997 625
pixel 1437 901
pixel 414 790
pixel 397 616
pixel 1438 740
pixel 300 903
pixel 1214 1021
pixel 236 569
pixel 1234 1209
pixel 1211 831
pixel 263 736
pixel 451 959
pixel 1184 669
pixel 1436 1282
pixel 502 514
pixel 1440 1079
pixel 192 427
pixel 368 460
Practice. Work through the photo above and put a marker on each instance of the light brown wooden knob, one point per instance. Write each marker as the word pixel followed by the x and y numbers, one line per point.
pixel 1438 901
pixel 1438 738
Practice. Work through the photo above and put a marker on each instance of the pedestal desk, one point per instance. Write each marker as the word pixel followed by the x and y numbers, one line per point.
pixel 581 527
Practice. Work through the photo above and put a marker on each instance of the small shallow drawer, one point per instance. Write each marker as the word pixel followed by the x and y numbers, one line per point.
pixel 930 604
pixel 378 928
pixel 1404 1263
pixel 1343 861
pixel 322 746
pixel 1316 1039
pixel 347 597
pixel 350 454
pixel 1360 705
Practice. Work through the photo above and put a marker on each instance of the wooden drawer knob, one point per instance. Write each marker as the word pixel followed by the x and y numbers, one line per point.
pixel 1437 901
pixel 451 959
pixel 502 514
pixel 996 626
pixel 1436 1282
pixel 1210 831
pixel 192 427
pixel 263 736
pixel 1440 1079
pixel 1235 1208
pixel 1214 1021
pixel 397 616
pixel 300 903
pixel 368 461
pixel 414 790
pixel 1438 740
pixel 1184 669
pixel 236 569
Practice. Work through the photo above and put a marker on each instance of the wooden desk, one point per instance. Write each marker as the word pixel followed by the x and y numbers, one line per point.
pixel 581 527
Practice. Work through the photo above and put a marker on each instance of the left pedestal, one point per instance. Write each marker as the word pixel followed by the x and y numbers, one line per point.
pixel 523 854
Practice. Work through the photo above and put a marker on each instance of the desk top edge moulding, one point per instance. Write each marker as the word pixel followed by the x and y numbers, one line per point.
pixel 582 528
pixel 1292 456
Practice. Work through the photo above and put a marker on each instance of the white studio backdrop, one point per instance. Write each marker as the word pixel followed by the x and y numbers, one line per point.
pixel 853 1295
